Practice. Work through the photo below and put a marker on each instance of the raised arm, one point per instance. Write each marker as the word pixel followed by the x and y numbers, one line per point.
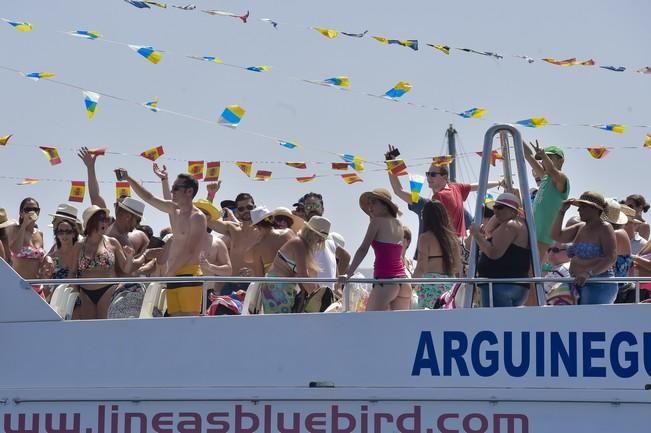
pixel 162 175
pixel 371 232
pixel 559 179
pixel 537 168
pixel 558 232
pixel 398 190
pixel 166 206
pixel 89 158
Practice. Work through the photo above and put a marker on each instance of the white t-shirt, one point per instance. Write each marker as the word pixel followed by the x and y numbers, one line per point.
pixel 327 261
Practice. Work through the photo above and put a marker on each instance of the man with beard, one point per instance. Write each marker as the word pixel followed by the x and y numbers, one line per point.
pixel 243 235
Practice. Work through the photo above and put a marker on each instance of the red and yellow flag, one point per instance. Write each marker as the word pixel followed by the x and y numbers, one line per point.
pixel 195 168
pixel 245 166
pixel 154 153
pixel 300 165
pixel 340 166
pixel 305 179
pixel 397 167
pixel 212 171
pixel 122 189
pixel 99 151
pixel 598 152
pixel 589 62
pixel 495 156
pixel 52 154
pixel 77 191
pixel 566 62
pixel 262 175
pixel 5 139
pixel 28 181
pixel 440 161
pixel 351 178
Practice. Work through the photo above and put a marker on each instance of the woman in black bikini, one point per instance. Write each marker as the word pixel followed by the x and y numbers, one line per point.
pixel 98 255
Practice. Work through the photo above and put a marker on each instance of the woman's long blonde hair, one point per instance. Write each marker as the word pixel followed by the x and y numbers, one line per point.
pixel 312 241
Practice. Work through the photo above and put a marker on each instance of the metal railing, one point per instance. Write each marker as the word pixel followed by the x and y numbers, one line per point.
pixel 468 282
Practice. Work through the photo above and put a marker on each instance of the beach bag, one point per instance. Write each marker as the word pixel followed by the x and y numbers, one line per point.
pixel 562 294
pixel 446 300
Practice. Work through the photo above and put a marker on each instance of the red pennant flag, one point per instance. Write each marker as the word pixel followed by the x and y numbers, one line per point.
pixel 245 166
pixel 495 155
pixel 195 168
pixel 300 165
pixel 154 153
pixel 440 161
pixel 598 152
pixel 262 175
pixel 77 191
pixel 305 179
pixel 52 154
pixel 122 189
pixel 340 166
pixel 587 63
pixel 99 151
pixel 351 178
pixel 212 171
pixel 397 167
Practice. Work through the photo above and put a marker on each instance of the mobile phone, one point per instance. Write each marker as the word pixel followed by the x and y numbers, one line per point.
pixel 120 174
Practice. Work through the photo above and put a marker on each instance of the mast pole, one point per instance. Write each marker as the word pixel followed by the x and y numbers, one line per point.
pixel 452 150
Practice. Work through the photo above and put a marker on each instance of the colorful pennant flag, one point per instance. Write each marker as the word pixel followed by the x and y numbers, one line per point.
pixel 188 7
pixel 340 166
pixel 409 43
pixel 397 167
pixel 270 21
pixel 122 189
pixel 355 162
pixel 148 53
pixel 85 34
pixel 20 26
pixel 415 186
pixel 534 122
pixel 212 171
pixel 90 100
pixel 289 144
pixel 614 127
pixel 495 156
pixel 589 62
pixel 341 81
pixel 262 175
pixel 140 4
pixel 39 75
pixel 28 181
pixel 355 35
pixel 154 153
pixel 397 91
pixel 614 68
pixel 52 154
pixel 305 179
pixel 98 151
pixel 207 59
pixel 5 139
pixel 566 62
pixel 243 18
pixel 263 68
pixel 442 48
pixel 299 165
pixel 231 116
pixel 350 178
pixel 598 152
pixel 152 105
pixel 647 140
pixel 245 166
pixel 77 191
pixel 441 161
pixel 473 113
pixel 483 53
pixel 328 33
pixel 158 4
pixel 195 168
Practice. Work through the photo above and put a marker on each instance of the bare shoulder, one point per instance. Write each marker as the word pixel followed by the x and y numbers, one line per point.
pixel 112 241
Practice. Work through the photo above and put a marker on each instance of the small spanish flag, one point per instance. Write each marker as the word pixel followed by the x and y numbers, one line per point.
pixel 440 161
pixel 305 179
pixel 99 151
pixel 5 139
pixel 122 189
pixel 495 155
pixel 598 152
pixel 154 153
pixel 195 168
pixel 397 167
pixel 245 166
pixel 340 166
pixel 300 165
pixel 262 175
pixel 212 171
pixel 351 178
pixel 52 154
pixel 77 191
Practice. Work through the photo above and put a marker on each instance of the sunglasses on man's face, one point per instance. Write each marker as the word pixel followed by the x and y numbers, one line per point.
pixel 245 208
pixel 176 188
pixel 312 206
pixel 31 209
pixel 433 173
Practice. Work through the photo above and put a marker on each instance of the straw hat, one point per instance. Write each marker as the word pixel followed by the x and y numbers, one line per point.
pixel 132 205
pixel 508 199
pixel 297 222
pixel 613 213
pixel 88 213
pixel 4 221
pixel 207 207
pixel 259 214
pixel 591 198
pixel 338 239
pixel 66 212
pixel 630 213
pixel 380 194
pixel 319 225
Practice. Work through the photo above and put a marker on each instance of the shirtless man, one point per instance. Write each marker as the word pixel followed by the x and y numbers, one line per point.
pixel 243 236
pixel 189 228
pixel 128 214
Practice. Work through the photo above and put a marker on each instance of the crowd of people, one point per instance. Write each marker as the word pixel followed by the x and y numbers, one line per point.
pixel 609 239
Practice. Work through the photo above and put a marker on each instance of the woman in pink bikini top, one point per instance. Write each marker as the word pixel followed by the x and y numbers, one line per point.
pixel 26 241
pixel 385 236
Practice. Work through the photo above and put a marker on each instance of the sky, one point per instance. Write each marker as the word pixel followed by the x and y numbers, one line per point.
pixel 325 121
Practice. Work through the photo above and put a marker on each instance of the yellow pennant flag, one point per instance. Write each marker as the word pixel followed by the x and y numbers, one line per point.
pixel 647 140
pixel 122 189
pixel 212 171
pixel 5 139
pixel 299 165
pixel 195 168
pixel 77 191
pixel 328 33
pixel 245 166
pixel 598 152
pixel 440 161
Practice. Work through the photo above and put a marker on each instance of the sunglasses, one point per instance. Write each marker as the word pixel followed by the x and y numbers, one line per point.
pixel 498 206
pixel 433 173
pixel 65 232
pixel 176 188
pixel 556 250
pixel 244 208
pixel 31 209
pixel 312 206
